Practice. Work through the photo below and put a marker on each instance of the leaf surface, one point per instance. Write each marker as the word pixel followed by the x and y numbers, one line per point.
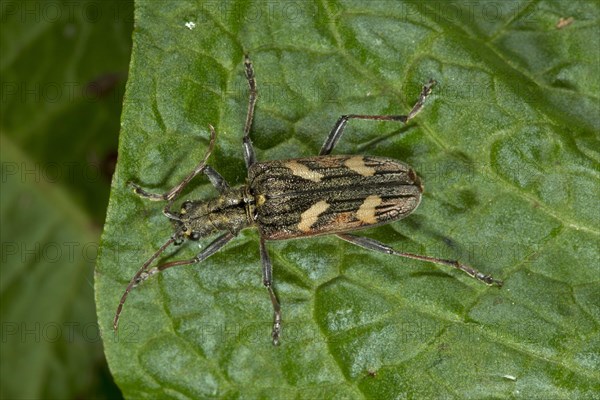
pixel 507 147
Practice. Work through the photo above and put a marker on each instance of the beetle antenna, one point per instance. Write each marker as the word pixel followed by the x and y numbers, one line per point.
pixel 172 194
pixel 137 278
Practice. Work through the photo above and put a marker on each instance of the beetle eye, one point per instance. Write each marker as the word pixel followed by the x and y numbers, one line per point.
pixel 186 204
pixel 194 236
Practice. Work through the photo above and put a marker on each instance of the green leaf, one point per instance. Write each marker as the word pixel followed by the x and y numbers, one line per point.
pixel 49 335
pixel 63 68
pixel 507 149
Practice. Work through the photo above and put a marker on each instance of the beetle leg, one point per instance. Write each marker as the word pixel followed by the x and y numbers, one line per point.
pixel 172 194
pixel 339 126
pixel 144 273
pixel 372 244
pixel 268 282
pixel 249 156
pixel 216 179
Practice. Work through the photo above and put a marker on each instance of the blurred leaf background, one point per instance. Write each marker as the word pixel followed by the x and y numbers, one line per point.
pixel 63 68
pixel 507 147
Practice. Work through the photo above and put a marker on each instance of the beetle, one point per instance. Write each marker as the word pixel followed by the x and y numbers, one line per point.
pixel 295 198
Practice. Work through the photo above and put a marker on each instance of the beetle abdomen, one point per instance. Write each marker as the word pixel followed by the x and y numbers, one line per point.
pixel 330 194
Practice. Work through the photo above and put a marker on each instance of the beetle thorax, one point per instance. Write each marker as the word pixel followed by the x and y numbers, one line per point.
pixel 230 211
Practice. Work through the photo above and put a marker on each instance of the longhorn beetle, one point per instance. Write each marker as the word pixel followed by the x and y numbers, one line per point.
pixel 301 197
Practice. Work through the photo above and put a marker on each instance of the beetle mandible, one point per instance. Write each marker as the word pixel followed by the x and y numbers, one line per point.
pixel 285 199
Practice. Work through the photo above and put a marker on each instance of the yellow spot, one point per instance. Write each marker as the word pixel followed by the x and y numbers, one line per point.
pixel 310 216
pixel 366 211
pixel 357 164
pixel 182 211
pixel 303 171
pixel 260 200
